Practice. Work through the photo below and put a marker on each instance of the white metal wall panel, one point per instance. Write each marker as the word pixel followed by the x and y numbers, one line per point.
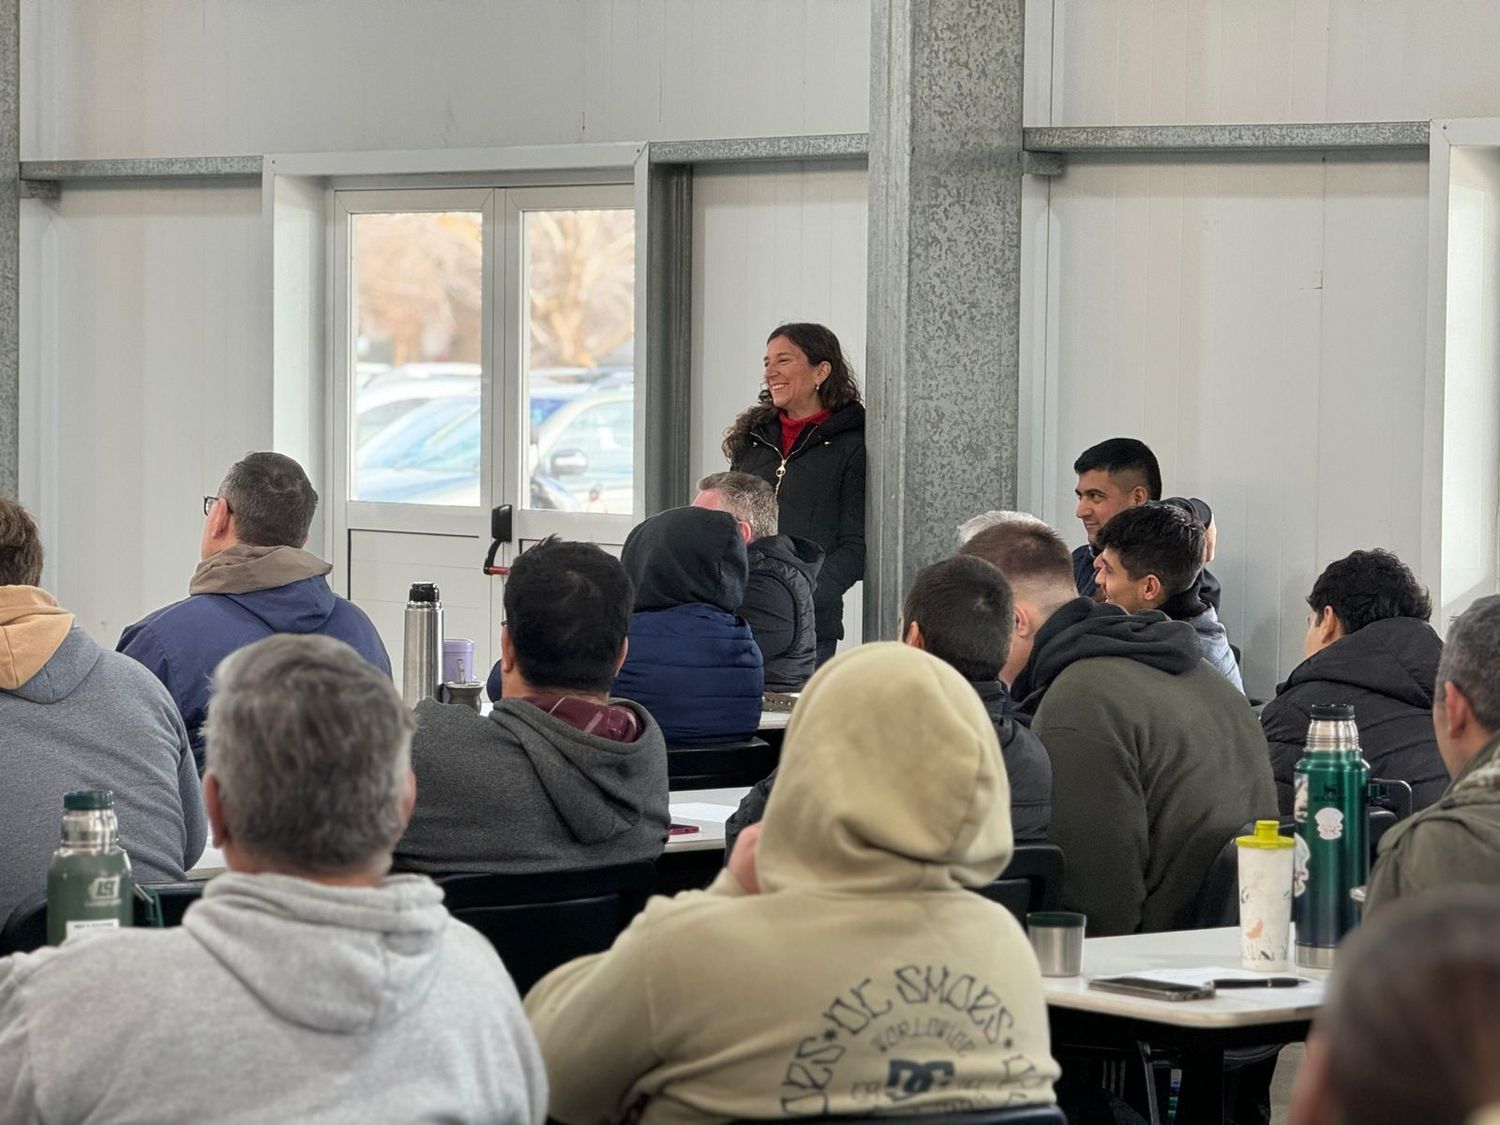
pixel 155 389
pixel 1208 61
pixel 769 246
pixel 188 77
pixel 1261 326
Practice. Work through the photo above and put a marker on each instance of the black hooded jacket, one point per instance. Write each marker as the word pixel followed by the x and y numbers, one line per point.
pixel 1387 670
pixel 1156 762
pixel 691 662
pixel 821 496
pixel 778 606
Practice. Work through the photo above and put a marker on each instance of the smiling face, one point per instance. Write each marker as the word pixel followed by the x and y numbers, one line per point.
pixel 791 379
pixel 1130 594
pixel 1101 496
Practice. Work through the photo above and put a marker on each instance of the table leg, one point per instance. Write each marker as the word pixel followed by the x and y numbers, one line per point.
pixel 1201 1098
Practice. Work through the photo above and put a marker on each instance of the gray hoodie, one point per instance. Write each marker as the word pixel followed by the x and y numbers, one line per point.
pixel 1213 640
pixel 278 999
pixel 83 718
pixel 520 791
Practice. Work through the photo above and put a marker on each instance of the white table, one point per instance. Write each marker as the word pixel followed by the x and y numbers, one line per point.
pixel 1201 1029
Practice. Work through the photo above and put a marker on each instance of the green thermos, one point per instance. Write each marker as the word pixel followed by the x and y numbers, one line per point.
pixel 88 881
pixel 1332 783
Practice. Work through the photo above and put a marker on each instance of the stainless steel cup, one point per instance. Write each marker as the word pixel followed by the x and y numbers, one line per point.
pixel 1057 939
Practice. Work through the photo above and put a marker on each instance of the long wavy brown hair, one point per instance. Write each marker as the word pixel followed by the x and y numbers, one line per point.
pixel 836 392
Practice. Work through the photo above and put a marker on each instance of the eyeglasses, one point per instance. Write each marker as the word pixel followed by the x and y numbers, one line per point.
pixel 209 501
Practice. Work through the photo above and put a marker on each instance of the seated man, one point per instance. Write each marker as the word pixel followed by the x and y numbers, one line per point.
pixel 306 985
pixel 76 717
pixel 841 965
pixel 692 663
pixel 254 580
pixel 1368 644
pixel 1114 475
pixel 1156 759
pixel 1457 839
pixel 1151 558
pixel 778 603
pixel 960 610
pixel 558 775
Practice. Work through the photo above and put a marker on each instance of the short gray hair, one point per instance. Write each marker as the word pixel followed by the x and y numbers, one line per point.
pixel 271 499
pixel 746 497
pixel 310 745
pixel 1471 659
pixel 993 518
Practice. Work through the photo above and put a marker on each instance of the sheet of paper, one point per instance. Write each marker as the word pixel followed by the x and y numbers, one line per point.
pixel 702 810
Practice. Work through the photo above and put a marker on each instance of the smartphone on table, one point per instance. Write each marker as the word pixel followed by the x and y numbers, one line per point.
pixel 1153 989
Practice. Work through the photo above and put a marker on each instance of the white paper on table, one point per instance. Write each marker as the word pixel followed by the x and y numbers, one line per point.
pixel 702 810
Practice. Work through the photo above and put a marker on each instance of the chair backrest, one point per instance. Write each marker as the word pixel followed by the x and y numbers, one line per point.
pixel 26 928
pixel 1031 881
pixel 1013 1115
pixel 1391 794
pixel 537 922
pixel 725 766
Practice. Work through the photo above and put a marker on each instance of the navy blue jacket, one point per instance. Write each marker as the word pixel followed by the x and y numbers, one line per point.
pixel 184 642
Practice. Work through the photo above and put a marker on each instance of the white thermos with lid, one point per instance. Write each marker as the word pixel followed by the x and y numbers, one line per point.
pixel 422 649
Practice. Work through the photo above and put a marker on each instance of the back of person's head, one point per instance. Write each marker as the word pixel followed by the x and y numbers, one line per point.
pixel 891 779
pixel 567 609
pixel 975 524
pixel 1369 586
pixel 310 748
pixel 1128 460
pixel 1411 1028
pixel 1159 539
pixel 20 546
pixel 964 611
pixel 684 556
pixel 271 499
pixel 1194 507
pixel 746 497
pixel 1470 660
pixel 1033 558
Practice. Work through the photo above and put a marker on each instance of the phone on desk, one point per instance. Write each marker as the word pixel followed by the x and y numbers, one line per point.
pixel 1153 989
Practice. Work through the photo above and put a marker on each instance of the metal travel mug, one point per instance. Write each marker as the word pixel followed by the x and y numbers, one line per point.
pixel 1057 939
pixel 1330 788
pixel 89 886
pixel 422 647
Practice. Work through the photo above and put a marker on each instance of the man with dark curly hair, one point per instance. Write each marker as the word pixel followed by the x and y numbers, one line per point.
pixel 1368 644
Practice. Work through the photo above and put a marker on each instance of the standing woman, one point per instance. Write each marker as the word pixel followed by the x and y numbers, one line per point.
pixel 806 437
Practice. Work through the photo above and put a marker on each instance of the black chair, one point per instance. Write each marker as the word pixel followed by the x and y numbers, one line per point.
pixel 1032 880
pixel 1015 1115
pixel 728 765
pixel 26 928
pixel 537 922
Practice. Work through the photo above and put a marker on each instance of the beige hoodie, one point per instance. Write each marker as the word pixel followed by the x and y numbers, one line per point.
pixel 864 977
pixel 32 627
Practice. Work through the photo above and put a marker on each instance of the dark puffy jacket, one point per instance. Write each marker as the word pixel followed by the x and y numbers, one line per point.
pixel 1026 766
pixel 1387 671
pixel 183 643
pixel 691 662
pixel 778 607
pixel 821 497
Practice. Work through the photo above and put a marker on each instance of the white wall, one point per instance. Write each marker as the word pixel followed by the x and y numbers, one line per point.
pixel 1261 325
pixel 141 307
pixel 769 246
pixel 102 78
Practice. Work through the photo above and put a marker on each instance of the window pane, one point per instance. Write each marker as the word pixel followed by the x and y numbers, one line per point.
pixel 418 334
pixel 578 361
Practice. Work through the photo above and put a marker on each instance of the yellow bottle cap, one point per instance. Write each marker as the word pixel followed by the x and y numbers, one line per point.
pixel 1267 835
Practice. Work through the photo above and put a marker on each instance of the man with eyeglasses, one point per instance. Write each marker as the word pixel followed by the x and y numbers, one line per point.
pixel 1457 839
pixel 253 579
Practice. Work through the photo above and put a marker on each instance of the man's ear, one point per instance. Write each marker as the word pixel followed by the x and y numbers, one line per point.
pixel 1023 624
pixel 1458 710
pixel 408 802
pixel 1151 588
pixel 1330 628
pixel 213 805
pixel 624 652
pixel 1139 496
pixel 507 652
pixel 913 636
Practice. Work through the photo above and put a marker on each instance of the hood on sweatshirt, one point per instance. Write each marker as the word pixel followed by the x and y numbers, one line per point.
pixel 891 779
pixel 1083 628
pixel 32 628
pixel 333 959
pixel 686 555
pixel 801 554
pixel 595 784
pixel 290 593
pixel 1395 657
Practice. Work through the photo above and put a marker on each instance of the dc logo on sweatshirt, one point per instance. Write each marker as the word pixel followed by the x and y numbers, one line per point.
pixel 907 1079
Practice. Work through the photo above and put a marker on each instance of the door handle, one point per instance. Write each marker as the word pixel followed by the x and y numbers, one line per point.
pixel 500 532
